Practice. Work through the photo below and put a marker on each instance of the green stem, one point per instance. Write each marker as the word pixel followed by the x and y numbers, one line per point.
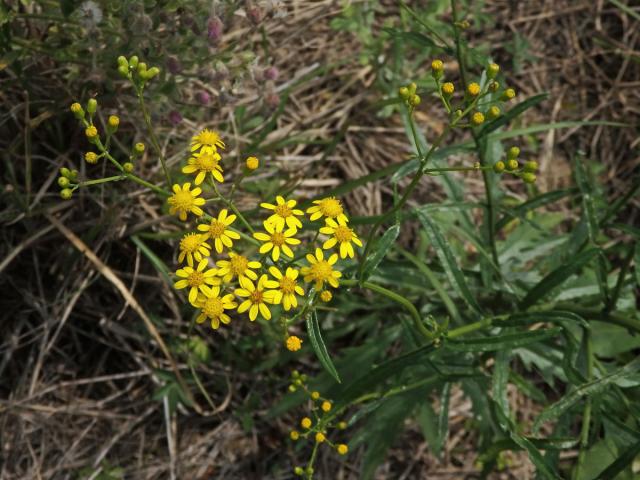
pixel 231 206
pixel 152 135
pixel 586 414
pixel 89 183
pixel 396 298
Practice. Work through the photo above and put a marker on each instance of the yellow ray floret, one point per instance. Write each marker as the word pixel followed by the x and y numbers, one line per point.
pixel 329 207
pixel 201 164
pixel 237 267
pixel 275 240
pixel 287 287
pixel 218 231
pixel 340 234
pixel 284 213
pixel 207 140
pixel 257 297
pixel 196 279
pixel 193 245
pixel 212 306
pixel 321 270
pixel 184 201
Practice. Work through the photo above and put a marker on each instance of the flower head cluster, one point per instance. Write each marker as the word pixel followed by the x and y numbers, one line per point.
pixel 222 278
pixel 526 171
pixel 321 421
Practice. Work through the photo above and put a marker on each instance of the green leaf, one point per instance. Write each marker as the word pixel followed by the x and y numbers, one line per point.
pixel 500 380
pixel 536 202
pixel 557 277
pixel 534 454
pixel 512 113
pixel 443 416
pixel 313 329
pixel 502 342
pixel 159 265
pixel 622 462
pixel 448 261
pixel 381 248
pixel 586 390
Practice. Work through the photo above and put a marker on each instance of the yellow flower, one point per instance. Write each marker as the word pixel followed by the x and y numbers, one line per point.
pixel 287 287
pixel 448 89
pixel 91 132
pixel 257 297
pixel 321 270
pixel 315 395
pixel 253 163
pixel 202 163
pixel 342 449
pixel 113 121
pixel 320 437
pixel 91 157
pixel 326 406
pixel 237 266
pixel 294 435
pixel 326 296
pixel 218 231
pixel 283 213
pixel 473 89
pixel 329 207
pixel 341 234
pixel 76 107
pixel 275 240
pixel 193 245
pixel 184 201
pixel 207 140
pixel 305 422
pixel 196 279
pixel 212 306
pixel 293 343
pixel 477 118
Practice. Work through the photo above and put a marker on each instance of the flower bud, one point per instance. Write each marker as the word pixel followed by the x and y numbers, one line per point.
pixel 493 112
pixel 112 123
pixel 508 94
pixel 528 177
pixel 403 92
pixel 175 118
pixel 415 100
pixel 513 152
pixel 342 449
pixel 298 471
pixel 77 110
pixel 473 89
pixel 492 70
pixel 123 71
pixel 173 65
pixel 92 105
pixel 142 68
pixel 66 193
pixel 412 88
pixel 531 166
pixel 91 132
pixel 512 164
pixel 271 73
pixel 73 174
pixel 203 97
pixel 254 14
pixel 63 182
pixel 306 422
pixel 294 435
pixel 437 69
pixel 342 425
pixel 477 118
pixel 326 296
pixel 315 395
pixel 253 163
pixel 65 172
pixel 91 157
pixel 215 27
pixel 133 61
pixel 448 89
pixel 320 437
pixel 494 87
pixel 326 406
pixel 499 166
pixel 152 72
pixel 128 167
pixel 122 61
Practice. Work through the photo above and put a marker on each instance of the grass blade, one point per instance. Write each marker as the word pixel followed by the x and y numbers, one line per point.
pixel 313 329
pixel 502 342
pixel 381 248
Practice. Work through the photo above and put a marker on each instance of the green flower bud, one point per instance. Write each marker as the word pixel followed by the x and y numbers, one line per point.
pixel 298 471
pixel 499 166
pixel 508 94
pixel 92 105
pixel 412 88
pixel 152 72
pixel 63 182
pixel 493 112
pixel 65 172
pixel 494 87
pixel 66 193
pixel 513 152
pixel 133 61
pixel 403 92
pixel 123 71
pixel 77 110
pixel 73 174
pixel 531 166
pixel 528 177
pixel 415 100
pixel 512 164
pixel 492 70
pixel 142 67
pixel 138 148
pixel 128 167
pixel 292 388
pixel 122 61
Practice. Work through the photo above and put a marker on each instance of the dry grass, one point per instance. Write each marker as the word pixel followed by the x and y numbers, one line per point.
pixel 76 362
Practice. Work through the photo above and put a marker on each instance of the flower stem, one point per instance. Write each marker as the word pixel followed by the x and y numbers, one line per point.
pixel 152 135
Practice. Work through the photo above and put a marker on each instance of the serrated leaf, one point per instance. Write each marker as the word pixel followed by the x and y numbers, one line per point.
pixel 557 277
pixel 447 259
pixel 505 119
pixel 501 342
pixel 586 390
pixel 313 329
pixel 381 248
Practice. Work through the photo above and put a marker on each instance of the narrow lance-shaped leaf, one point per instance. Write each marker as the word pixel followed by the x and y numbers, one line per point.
pixel 382 247
pixel 313 329
pixel 557 277
pixel 455 275
pixel 502 342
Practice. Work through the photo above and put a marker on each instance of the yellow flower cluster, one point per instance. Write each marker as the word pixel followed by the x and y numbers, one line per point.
pixel 527 171
pixel 323 419
pixel 235 281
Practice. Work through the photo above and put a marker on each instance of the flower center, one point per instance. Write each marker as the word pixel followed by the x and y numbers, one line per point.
pixel 343 234
pixel 331 207
pixel 208 137
pixel 277 239
pixel 190 243
pixel 239 264
pixel 213 308
pixel 207 162
pixel 256 297
pixel 216 229
pixel 183 200
pixel 196 279
pixel 283 211
pixel 321 270
pixel 287 285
